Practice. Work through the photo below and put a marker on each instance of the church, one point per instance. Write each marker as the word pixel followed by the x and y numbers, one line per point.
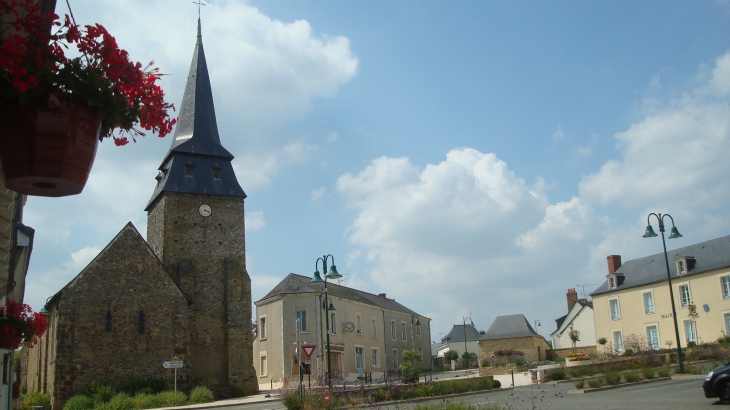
pixel 183 293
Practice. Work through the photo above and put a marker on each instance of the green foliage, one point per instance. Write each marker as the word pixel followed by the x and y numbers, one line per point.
pixel 580 384
pixel 149 386
pixel 574 335
pixel 613 378
pixel 100 393
pixel 556 374
pixel 663 372
pixel 143 401
pixel 597 382
pixel 79 402
pixel 691 345
pixel 496 384
pixel 409 371
pixel 120 401
pixel 36 398
pixel 632 377
pixel 628 352
pixel 648 373
pixel 602 341
pixel 292 401
pixel 451 355
pixel 169 399
pixel 201 394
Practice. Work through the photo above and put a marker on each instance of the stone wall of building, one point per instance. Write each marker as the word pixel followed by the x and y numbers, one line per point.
pixel 562 353
pixel 533 348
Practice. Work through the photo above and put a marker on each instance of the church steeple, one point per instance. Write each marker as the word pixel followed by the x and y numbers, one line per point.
pixel 197 162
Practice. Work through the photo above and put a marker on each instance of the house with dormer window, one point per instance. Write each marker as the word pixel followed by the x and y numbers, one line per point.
pixel 635 298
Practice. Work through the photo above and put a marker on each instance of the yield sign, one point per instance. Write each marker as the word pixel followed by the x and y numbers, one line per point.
pixel 308 350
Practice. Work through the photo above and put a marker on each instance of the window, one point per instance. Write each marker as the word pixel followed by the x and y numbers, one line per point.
pixel 216 173
pixel 302 318
pixel 725 283
pixel 690 331
pixel 612 282
pixel 333 324
pixel 684 296
pixel 189 170
pixel 403 331
pixel 726 316
pixel 108 321
pixel 374 327
pixel 392 329
pixel 420 354
pixel 652 337
pixel 618 341
pixel 358 324
pixel 374 357
pixel 263 364
pixel 418 328
pixel 395 358
pixel 681 267
pixel 141 323
pixel 262 327
pixel 614 308
pixel 648 303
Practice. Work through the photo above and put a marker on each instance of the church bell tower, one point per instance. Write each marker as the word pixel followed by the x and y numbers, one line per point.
pixel 195 225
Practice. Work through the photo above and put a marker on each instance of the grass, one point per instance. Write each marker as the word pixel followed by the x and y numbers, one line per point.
pixel 597 382
pixel 580 384
pixel 663 372
pixel 613 378
pixel 632 377
pixel 648 373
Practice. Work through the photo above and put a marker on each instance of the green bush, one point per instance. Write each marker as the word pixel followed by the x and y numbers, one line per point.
pixel 143 401
pixel 613 378
pixel 556 374
pixel 574 371
pixel 79 402
pixel 580 384
pixel 628 352
pixel 589 370
pixel 663 372
pixel 632 377
pixel 496 384
pixel 149 386
pixel 201 394
pixel 100 393
pixel 169 399
pixel 36 398
pixel 120 401
pixel 648 373
pixel 597 382
pixel 292 401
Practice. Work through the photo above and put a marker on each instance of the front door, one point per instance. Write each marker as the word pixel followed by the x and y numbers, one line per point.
pixel 359 362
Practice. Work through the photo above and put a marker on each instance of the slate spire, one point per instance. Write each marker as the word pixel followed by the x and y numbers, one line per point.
pixel 197 162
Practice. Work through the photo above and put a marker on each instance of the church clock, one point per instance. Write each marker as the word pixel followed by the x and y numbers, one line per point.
pixel 204 210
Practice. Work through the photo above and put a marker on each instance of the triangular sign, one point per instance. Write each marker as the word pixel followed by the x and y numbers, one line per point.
pixel 308 350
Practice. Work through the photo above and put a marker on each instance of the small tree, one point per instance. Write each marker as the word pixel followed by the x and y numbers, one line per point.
pixel 574 336
pixel 451 355
pixel 408 370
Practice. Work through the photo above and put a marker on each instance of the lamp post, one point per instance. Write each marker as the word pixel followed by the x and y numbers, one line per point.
pixel 466 350
pixel 413 339
pixel 673 235
pixel 332 274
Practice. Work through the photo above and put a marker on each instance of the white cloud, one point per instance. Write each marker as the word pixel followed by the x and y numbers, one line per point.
pixel 558 134
pixel 254 220
pixel 720 81
pixel 317 194
pixel 333 136
pixel 80 259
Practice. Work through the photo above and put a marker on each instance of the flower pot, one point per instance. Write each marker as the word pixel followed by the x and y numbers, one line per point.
pixel 47 147
pixel 9 341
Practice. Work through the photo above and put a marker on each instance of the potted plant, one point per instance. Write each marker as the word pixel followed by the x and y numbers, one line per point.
pixel 20 325
pixel 55 109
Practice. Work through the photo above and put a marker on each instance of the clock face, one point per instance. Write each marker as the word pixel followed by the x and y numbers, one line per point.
pixel 204 210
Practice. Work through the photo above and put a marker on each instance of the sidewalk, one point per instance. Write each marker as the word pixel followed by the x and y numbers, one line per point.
pixel 256 398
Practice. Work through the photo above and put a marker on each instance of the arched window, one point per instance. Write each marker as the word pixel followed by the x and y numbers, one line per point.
pixel 141 323
pixel 108 321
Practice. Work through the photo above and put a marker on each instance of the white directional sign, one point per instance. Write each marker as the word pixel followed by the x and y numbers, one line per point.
pixel 176 364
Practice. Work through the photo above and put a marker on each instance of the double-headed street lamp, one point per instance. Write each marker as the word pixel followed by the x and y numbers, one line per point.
pixel 673 235
pixel 466 350
pixel 332 274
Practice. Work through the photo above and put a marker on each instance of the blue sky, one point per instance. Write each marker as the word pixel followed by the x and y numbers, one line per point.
pixel 463 157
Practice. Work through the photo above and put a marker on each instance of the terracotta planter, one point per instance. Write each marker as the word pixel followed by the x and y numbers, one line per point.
pixel 9 341
pixel 47 147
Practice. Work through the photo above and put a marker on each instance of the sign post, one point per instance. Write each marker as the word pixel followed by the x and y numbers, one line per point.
pixel 326 397
pixel 175 363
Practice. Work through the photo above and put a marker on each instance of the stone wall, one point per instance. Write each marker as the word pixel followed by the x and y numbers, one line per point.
pixel 562 353
pixel 533 348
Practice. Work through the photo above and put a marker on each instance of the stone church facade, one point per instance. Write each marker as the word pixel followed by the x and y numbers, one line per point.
pixel 183 292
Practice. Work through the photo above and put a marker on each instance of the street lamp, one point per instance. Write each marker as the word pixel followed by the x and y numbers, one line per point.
pixel 413 339
pixel 466 350
pixel 673 235
pixel 332 274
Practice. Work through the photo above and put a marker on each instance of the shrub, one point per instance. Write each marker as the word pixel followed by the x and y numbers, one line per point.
pixel 690 345
pixel 575 371
pixel 149 386
pixel 120 401
pixel 143 401
pixel 597 382
pixel 631 377
pixel 496 384
pixel 556 374
pixel 100 393
pixel 169 399
pixel 580 384
pixel 588 370
pixel 36 398
pixel 201 394
pixel 628 352
pixel 663 372
pixel 79 402
pixel 613 378
pixel 292 401
pixel 648 373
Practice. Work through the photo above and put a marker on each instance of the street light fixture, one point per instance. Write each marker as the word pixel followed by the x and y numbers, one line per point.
pixel 331 274
pixel 673 235
pixel 466 350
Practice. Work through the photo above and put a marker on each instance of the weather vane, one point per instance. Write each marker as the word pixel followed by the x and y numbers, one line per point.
pixel 199 3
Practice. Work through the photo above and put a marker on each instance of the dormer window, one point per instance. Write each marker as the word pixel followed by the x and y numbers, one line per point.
pixel 189 170
pixel 685 264
pixel 216 173
pixel 612 282
pixel 681 267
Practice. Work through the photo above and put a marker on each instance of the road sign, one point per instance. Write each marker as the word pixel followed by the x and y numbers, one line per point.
pixel 326 397
pixel 174 364
pixel 308 350
pixel 307 362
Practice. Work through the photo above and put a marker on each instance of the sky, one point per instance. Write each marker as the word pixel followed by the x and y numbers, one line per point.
pixel 468 159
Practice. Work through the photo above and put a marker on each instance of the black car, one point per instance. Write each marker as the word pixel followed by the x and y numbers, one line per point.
pixel 717 383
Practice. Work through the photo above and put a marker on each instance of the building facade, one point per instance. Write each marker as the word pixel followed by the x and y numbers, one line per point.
pixel 633 309
pixel 512 333
pixel 579 318
pixel 368 333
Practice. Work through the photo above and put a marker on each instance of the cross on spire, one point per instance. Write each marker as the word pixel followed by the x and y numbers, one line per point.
pixel 199 3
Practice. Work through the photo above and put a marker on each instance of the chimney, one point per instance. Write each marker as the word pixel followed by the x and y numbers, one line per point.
pixel 382 295
pixel 572 296
pixel 614 262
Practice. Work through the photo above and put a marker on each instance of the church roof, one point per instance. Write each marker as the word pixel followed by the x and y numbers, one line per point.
pixel 457 334
pixel 197 162
pixel 297 284
pixel 509 326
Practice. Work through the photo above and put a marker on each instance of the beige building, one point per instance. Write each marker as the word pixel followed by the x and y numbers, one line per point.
pixel 368 332
pixel 580 319
pixel 633 308
pixel 512 333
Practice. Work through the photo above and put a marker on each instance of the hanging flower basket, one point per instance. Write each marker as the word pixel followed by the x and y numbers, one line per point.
pixel 20 325
pixel 9 341
pixel 47 147
pixel 53 106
